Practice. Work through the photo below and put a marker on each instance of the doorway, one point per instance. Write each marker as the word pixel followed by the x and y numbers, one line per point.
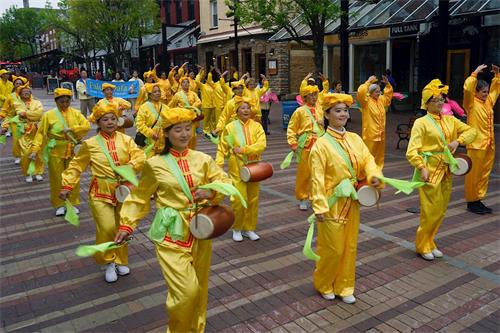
pixel 457 70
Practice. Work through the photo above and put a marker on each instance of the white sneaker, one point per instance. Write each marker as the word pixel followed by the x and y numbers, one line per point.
pixel 329 297
pixel 17 161
pixel 60 211
pixel 427 256
pixel 349 299
pixel 303 205
pixel 251 235
pixel 39 178
pixel 29 179
pixel 437 254
pixel 8 134
pixel 110 275
pixel 237 236
pixel 77 210
pixel 122 270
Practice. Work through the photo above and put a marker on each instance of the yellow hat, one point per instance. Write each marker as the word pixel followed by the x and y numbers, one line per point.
pixel 307 90
pixel 236 84
pixel 100 110
pixel 22 78
pixel 58 92
pixel 331 99
pixel 238 100
pixel 3 71
pixel 150 86
pixel 173 116
pixel 148 74
pixel 24 86
pixel 184 77
pixel 431 90
pixel 108 85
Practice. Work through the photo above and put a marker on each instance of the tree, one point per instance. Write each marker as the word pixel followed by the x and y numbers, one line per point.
pixel 273 15
pixel 115 22
pixel 19 28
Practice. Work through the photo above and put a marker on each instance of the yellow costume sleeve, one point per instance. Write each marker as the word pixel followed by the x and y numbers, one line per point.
pixel 258 136
pixel 362 95
pixel 82 125
pixel 466 133
pixel 317 162
pixel 181 71
pixel 123 104
pixel 43 130
pixel 142 97
pixel 141 121
pixel 294 127
pixel 494 90
pixel 174 102
pixel 195 101
pixel 78 164
pixel 137 158
pixel 6 108
pixel 35 111
pixel 326 86
pixel 469 92
pixel 223 149
pixel 262 91
pixel 387 96
pixel 303 84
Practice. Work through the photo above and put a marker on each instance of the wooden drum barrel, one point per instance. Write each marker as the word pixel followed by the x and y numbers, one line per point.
pixel 256 172
pixel 211 222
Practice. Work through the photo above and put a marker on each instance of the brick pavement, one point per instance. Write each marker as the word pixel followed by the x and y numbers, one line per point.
pixel 254 286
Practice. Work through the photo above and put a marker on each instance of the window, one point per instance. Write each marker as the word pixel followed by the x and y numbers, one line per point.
pixel 214 19
pixel 191 10
pixel 178 11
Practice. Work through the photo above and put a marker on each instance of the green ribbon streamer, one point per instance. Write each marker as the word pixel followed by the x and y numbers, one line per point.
pixel 47 148
pixel 149 148
pixel 450 160
pixel 342 153
pixel 287 161
pixel 226 189
pixel 90 250
pixel 215 140
pixel 3 139
pixel 64 125
pixel 125 171
pixel 407 187
pixel 31 168
pixel 71 216
pixel 166 220
pixel 301 142
pixel 344 189
pixel 230 140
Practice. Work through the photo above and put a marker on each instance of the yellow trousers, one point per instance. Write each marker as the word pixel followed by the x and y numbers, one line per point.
pixel 107 221
pixel 16 149
pixel 337 246
pixel 476 181
pixel 377 149
pixel 434 200
pixel 217 112
pixel 245 219
pixel 209 120
pixel 25 143
pixel 303 177
pixel 56 167
pixel 186 275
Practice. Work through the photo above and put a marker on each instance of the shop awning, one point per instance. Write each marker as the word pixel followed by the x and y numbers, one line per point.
pixel 473 7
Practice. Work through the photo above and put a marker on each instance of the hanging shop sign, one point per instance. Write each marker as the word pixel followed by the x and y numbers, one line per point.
pixel 405 30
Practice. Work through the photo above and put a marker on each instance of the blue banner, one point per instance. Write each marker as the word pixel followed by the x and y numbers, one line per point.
pixel 123 89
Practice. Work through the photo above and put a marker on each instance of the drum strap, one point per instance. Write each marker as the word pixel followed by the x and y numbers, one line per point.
pixel 125 171
pixel 452 162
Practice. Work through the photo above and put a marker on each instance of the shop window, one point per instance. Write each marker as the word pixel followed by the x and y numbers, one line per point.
pixel 178 11
pixel 247 58
pixel 368 60
pixel 191 10
pixel 214 19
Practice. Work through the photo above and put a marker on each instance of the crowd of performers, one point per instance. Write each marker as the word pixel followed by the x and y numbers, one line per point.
pixel 168 111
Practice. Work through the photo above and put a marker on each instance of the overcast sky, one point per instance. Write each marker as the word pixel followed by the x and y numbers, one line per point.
pixel 4 4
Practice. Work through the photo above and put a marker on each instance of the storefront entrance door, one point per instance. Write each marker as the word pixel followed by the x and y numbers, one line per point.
pixel 458 68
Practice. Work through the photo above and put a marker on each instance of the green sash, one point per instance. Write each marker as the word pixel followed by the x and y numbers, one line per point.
pixel 240 134
pixel 449 159
pixel 125 171
pixel 342 154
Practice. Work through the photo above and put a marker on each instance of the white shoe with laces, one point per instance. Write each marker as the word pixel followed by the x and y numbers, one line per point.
pixel 427 256
pixel 303 205
pixel 122 270
pixel 237 237
pixel 8 134
pixel 437 254
pixel 77 210
pixel 60 211
pixel 39 178
pixel 110 275
pixel 349 299
pixel 251 235
pixel 17 161
pixel 329 297
pixel 29 179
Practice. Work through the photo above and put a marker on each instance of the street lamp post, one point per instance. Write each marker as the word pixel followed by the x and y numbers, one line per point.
pixel 236 41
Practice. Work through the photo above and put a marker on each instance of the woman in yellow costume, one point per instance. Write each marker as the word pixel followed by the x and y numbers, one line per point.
pixel 29 111
pixel 185 98
pixel 434 137
pixel 8 111
pixel 373 109
pixel 310 81
pixel 60 130
pixel 105 152
pixel 207 100
pixel 254 94
pixel 148 120
pixel 149 77
pixel 479 100
pixel 173 178
pixel 174 78
pixel 229 111
pixel 304 128
pixel 243 141
pixel 338 159
pixel 6 86
pixel 119 103
pixel 218 84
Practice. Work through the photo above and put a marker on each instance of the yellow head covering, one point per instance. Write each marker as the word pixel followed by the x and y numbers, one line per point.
pixel 150 86
pixel 173 116
pixel 331 99
pixel 236 84
pixel 433 89
pixel 184 77
pixel 238 100
pixel 100 110
pixel 24 86
pixel 58 92
pixel 148 74
pixel 108 85
pixel 22 78
pixel 307 90
pixel 3 71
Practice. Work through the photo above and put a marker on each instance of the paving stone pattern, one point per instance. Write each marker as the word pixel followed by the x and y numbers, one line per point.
pixel 263 286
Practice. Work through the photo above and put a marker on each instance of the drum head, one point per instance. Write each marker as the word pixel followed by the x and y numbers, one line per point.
pixel 368 196
pixel 121 122
pixel 76 148
pixel 201 226
pixel 245 174
pixel 121 193
pixel 463 167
